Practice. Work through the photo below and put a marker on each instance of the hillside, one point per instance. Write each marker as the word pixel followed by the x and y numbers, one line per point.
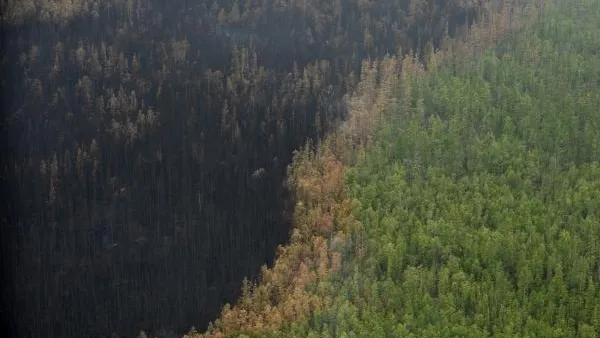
pixel 472 211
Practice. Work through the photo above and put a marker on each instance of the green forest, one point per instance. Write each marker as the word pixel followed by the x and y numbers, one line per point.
pixel 479 198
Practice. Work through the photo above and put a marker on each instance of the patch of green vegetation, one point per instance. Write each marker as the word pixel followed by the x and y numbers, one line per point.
pixel 481 201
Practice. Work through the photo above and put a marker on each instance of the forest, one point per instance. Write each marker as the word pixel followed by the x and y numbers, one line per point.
pixel 146 145
pixel 472 208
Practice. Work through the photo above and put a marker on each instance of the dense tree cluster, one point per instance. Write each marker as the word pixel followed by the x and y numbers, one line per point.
pixel 479 199
pixel 145 144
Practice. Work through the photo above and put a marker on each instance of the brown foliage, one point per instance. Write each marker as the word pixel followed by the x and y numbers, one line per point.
pixel 282 296
pixel 496 24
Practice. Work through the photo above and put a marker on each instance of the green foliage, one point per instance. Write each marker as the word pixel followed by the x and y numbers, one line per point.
pixel 481 204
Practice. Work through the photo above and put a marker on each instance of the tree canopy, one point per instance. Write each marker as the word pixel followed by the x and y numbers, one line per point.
pixel 480 198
